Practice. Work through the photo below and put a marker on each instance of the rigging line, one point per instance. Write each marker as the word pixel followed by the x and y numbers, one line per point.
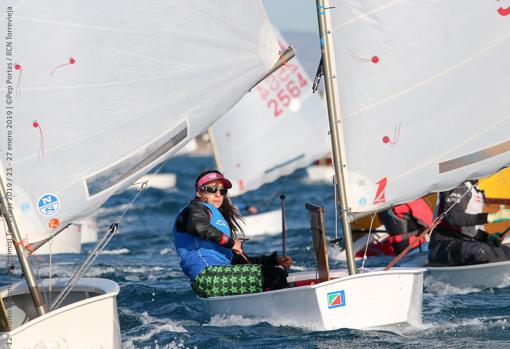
pixel 85 266
pixel 425 233
pixel 50 274
pixel 101 244
pixel 336 211
pixel 368 240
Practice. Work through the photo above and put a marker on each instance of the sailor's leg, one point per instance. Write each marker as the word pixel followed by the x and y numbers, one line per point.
pixel 440 253
pixel 476 252
pixel 456 252
pixel 500 253
pixel 506 251
pixel 217 281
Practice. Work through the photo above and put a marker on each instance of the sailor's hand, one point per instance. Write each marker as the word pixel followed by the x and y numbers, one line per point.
pixel 284 261
pixel 238 247
pixel 496 238
pixel 500 216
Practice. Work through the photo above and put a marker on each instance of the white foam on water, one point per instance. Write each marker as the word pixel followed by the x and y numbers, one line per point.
pixel 483 323
pixel 141 269
pixel 167 251
pixel 239 320
pixel 442 288
pixel 232 320
pixel 152 326
pixel 172 345
pixel 117 251
pixel 434 303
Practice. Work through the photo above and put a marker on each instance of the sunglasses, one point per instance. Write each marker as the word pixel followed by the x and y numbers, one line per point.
pixel 212 190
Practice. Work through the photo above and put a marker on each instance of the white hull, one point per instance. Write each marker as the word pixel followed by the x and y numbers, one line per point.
pixel 88 319
pixel 67 241
pixel 320 173
pixel 88 228
pixel 162 181
pixel 372 300
pixel 267 223
pixel 480 275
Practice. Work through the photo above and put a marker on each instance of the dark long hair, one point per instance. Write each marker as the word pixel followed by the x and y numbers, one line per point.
pixel 227 209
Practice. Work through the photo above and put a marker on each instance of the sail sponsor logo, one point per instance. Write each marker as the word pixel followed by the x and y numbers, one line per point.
pixel 336 299
pixel 48 205
pixel 54 223
pixel 379 195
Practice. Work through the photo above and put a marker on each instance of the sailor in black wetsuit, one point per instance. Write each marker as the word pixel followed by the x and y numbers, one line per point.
pixel 459 239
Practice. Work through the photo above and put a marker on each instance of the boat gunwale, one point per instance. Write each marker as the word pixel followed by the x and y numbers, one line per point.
pixel 467 267
pixel 110 288
pixel 318 285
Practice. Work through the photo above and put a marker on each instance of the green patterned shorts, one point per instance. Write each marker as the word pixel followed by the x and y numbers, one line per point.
pixel 227 280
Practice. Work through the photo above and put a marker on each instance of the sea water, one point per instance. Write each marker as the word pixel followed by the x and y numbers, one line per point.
pixel 158 309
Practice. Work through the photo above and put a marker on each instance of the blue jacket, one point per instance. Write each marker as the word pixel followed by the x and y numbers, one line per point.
pixel 200 249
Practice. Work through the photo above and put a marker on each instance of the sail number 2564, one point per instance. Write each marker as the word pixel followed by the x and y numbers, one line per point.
pixel 280 88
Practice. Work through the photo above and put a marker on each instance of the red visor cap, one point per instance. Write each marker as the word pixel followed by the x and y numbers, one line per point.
pixel 214 177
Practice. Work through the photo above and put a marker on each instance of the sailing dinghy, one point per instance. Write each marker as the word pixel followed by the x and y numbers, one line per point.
pixel 424 104
pixel 97 94
pixel 329 300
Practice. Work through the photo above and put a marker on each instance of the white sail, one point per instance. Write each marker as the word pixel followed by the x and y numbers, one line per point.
pixel 423 88
pixel 278 127
pixel 100 92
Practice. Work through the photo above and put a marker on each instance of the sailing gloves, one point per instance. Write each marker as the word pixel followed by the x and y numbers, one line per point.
pixel 500 216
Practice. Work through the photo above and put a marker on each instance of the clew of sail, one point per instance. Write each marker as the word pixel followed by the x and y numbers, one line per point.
pixel 423 91
pixel 100 92
pixel 278 127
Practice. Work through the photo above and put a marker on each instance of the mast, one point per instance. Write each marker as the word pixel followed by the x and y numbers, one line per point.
pixel 40 306
pixel 333 103
pixel 214 149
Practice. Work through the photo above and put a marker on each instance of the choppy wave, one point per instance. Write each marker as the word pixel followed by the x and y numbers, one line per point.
pixel 117 251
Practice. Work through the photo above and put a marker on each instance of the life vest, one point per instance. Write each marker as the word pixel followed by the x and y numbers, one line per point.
pixel 196 254
pixel 405 221
pixel 474 206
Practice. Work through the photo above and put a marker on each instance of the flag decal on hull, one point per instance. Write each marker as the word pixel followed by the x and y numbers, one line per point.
pixel 336 299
